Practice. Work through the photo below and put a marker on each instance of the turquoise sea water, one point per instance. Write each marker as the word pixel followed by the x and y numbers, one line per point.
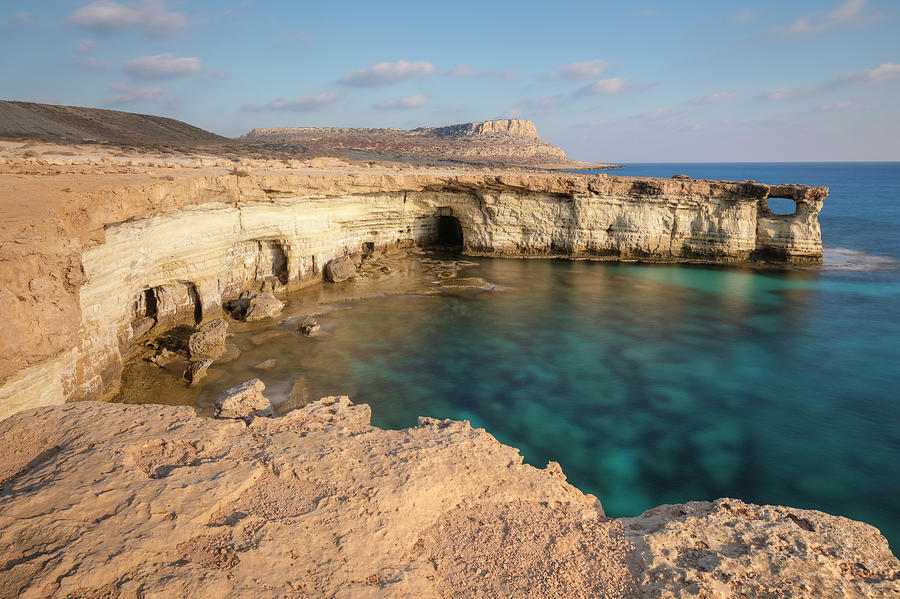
pixel 663 384
pixel 658 384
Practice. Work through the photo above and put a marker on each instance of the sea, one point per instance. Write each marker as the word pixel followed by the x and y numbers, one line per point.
pixel 654 384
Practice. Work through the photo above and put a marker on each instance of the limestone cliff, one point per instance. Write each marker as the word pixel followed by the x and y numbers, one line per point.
pixel 104 500
pixel 176 250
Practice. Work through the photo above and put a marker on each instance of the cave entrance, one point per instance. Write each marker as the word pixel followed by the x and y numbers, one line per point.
pixel 147 304
pixel 450 233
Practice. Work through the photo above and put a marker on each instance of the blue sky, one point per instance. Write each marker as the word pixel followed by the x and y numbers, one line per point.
pixel 621 82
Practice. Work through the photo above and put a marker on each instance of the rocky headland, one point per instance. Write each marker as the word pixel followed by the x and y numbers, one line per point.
pixel 102 247
pixel 505 142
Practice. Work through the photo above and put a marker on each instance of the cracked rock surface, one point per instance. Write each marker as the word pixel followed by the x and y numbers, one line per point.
pixel 121 501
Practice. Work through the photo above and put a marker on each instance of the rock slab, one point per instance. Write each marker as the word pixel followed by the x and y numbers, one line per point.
pixel 262 306
pixel 244 400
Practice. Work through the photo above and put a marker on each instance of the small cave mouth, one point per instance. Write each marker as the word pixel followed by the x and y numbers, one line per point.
pixel 450 233
pixel 782 206
pixel 149 307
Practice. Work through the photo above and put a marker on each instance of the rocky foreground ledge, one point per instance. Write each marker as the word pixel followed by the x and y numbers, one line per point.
pixel 102 500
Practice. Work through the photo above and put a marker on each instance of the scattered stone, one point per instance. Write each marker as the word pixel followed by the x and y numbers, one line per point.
pixel 209 340
pixel 339 269
pixel 681 177
pixel 196 370
pixel 244 400
pixel 266 365
pixel 308 326
pixel 262 306
pixel 162 357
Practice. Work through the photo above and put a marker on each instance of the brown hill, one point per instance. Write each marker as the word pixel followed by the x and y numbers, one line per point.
pixel 506 141
pixel 28 120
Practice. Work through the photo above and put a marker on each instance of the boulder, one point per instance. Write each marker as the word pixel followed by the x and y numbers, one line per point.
pixel 196 370
pixel 142 326
pixel 308 326
pixel 339 269
pixel 238 307
pixel 244 400
pixel 681 177
pixel 209 340
pixel 262 306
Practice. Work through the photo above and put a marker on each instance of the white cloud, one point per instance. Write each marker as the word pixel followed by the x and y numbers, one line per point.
pixel 787 93
pixel 838 106
pixel 22 17
pixel 613 85
pixel 579 71
pixel 745 15
pixel 89 62
pixel 889 71
pixel 162 66
pixel 847 12
pixel 300 104
pixel 128 94
pixel 466 71
pixel 403 103
pixel 384 73
pixel 109 17
pixel 879 75
pixel 655 115
pixel 462 70
pixel 85 46
pixel 602 122
pixel 713 98
pixel 513 113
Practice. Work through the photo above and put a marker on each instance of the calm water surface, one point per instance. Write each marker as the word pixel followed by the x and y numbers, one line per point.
pixel 654 384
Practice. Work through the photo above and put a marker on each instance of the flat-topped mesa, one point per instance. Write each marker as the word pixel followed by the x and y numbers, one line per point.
pixel 516 127
pixel 157 252
pixel 510 141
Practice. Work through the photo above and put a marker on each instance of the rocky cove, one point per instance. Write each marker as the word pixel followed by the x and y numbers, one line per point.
pixel 216 506
pixel 174 251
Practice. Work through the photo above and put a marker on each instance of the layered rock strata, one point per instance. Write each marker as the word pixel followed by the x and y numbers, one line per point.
pixel 153 253
pixel 104 500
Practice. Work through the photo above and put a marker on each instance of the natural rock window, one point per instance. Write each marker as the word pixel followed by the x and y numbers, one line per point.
pixel 782 206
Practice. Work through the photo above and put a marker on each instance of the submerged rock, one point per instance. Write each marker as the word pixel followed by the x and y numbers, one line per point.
pixel 244 400
pixel 196 370
pixel 209 340
pixel 339 269
pixel 308 326
pixel 262 306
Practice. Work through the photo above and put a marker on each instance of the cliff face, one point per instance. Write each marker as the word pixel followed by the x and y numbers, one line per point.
pixel 123 501
pixel 515 127
pixel 176 250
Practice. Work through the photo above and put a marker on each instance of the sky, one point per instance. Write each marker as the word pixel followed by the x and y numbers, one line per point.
pixel 686 81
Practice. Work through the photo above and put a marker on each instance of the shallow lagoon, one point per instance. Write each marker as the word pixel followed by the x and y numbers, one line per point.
pixel 649 384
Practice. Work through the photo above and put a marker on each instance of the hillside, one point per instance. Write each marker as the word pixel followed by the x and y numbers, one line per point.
pixel 28 120
pixel 507 141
